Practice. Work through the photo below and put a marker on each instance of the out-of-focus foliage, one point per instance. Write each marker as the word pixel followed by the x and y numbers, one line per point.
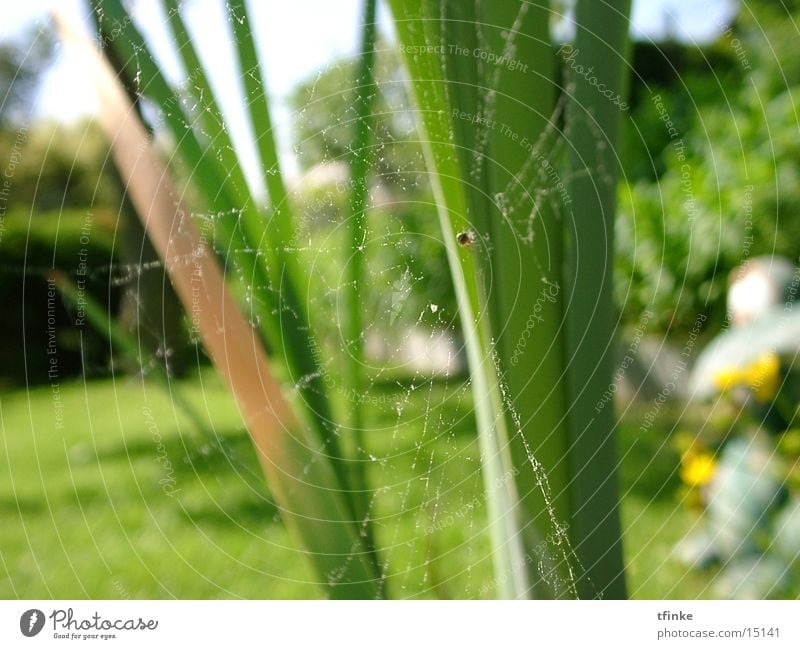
pixel 325 113
pixel 406 263
pixel 51 166
pixel 724 184
pixel 63 209
pixel 21 63
pixel 59 211
pixel 73 241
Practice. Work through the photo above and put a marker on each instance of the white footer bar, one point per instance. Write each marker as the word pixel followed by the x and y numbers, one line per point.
pixel 399 624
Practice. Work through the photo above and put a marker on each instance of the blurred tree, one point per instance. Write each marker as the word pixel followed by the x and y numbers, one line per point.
pixel 324 113
pixel 65 206
pixel 22 61
pixel 725 182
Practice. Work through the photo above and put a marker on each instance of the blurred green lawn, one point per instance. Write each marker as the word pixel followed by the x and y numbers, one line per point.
pixel 98 509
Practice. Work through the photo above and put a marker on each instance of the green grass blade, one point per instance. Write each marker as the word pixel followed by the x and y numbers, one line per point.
pixel 209 113
pixel 593 125
pixel 282 222
pixel 299 344
pixel 281 231
pixel 361 161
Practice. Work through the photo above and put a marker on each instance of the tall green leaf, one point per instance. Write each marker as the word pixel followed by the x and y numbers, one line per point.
pixel 483 76
pixel 523 272
pixel 593 117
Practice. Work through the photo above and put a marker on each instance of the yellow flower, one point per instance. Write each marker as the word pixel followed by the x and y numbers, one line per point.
pixel 728 377
pixel 697 469
pixel 762 376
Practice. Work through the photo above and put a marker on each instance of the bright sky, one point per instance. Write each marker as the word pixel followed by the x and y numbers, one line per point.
pixel 297 37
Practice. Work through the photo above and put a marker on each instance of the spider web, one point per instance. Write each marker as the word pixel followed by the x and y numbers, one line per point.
pixel 426 503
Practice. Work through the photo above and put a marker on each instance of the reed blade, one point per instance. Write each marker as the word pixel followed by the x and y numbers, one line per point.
pixel 594 113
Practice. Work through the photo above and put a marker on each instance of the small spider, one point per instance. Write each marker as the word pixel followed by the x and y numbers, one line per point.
pixel 465 239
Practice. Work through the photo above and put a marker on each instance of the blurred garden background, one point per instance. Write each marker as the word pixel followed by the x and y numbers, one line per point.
pixel 117 483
